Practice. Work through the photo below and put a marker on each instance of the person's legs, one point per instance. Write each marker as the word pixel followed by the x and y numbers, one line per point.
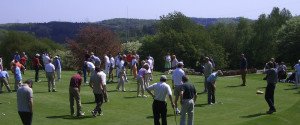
pixel 99 101
pixel 163 113
pixel 268 96
pixel 213 99
pixel 243 74
pixel 53 82
pixel 5 82
pixel 84 74
pixel 78 101
pixel 155 109
pixel 139 82
pixel 48 75
pixel 26 117
pixel 176 94
pixel 184 109
pixel 205 84
pixel 71 99
pixel 191 112
pixel 37 74
pixel 209 93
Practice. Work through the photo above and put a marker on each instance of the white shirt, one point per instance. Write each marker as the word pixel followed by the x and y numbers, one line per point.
pixel 177 76
pixel 49 67
pixel 106 59
pixel 168 58
pixel 46 59
pixel 90 65
pixel 112 62
pixel 121 64
pixel 161 90
pixel 133 62
pixel 174 62
pixel 150 62
pixel 103 77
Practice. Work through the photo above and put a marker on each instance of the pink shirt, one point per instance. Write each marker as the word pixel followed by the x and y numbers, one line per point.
pixel 142 72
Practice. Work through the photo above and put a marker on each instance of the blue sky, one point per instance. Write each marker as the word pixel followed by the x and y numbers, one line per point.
pixel 23 11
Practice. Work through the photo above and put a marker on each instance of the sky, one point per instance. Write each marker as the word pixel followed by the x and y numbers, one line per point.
pixel 25 11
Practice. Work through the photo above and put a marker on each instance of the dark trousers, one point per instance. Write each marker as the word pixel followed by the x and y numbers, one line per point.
pixel 269 96
pixel 159 111
pixel 36 68
pixel 26 117
pixel 84 70
pixel 99 102
pixel 210 93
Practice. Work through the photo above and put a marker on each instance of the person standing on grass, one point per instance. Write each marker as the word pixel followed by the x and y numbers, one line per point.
pixel 141 80
pixel 57 65
pixel 96 83
pixel 174 62
pixel 134 66
pixel 18 76
pixel 211 87
pixel 90 66
pixel 208 69
pixel 25 102
pixel 159 105
pixel 107 64
pixel 1 63
pixel 4 80
pixel 188 98
pixel 111 68
pixel 36 65
pixel 150 62
pixel 271 77
pixel 50 74
pixel 297 70
pixel 243 69
pixel 177 75
pixel 74 93
pixel 17 56
pixel 167 62
pixel 103 78
pixel 121 80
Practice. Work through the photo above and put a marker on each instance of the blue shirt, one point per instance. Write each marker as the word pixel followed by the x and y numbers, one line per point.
pixel 18 74
pixel 212 78
pixel 4 74
pixel 17 57
pixel 57 64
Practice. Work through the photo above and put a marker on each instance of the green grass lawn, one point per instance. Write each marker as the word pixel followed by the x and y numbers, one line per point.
pixel 236 105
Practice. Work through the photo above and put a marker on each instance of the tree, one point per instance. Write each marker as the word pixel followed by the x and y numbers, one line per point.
pixel 95 39
pixel 179 35
pixel 288 40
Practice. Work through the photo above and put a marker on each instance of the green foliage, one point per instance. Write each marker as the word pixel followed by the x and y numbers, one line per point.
pixel 67 59
pixel 13 41
pixel 288 37
pixel 179 35
pixel 133 46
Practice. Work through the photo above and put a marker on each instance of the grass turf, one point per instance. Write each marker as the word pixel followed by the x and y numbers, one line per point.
pixel 235 105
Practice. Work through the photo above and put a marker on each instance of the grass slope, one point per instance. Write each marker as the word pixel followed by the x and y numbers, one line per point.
pixel 236 105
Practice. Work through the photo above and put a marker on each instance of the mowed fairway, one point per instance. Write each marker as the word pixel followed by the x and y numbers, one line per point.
pixel 236 105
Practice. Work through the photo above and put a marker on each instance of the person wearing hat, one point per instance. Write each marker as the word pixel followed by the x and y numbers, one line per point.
pixel 96 83
pixel 188 98
pixel 25 102
pixel 272 78
pixel 211 86
pixel 177 75
pixel 57 65
pixel 74 93
pixel 159 105
pixel 297 70
pixel 36 65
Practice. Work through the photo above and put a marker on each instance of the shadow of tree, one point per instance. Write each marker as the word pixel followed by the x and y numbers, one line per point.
pixel 151 117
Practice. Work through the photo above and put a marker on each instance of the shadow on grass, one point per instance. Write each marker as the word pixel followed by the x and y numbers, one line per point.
pixel 293 88
pixel 69 117
pixel 130 97
pixel 201 105
pixel 89 102
pixel 112 91
pixel 234 86
pixel 201 93
pixel 168 115
pixel 253 115
pixel 41 92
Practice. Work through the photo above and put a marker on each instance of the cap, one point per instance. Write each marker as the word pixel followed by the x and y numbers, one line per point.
pixel 37 54
pixel 55 56
pixel 29 81
pixel 180 63
pixel 163 77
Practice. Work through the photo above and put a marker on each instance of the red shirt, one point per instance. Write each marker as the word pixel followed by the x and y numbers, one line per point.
pixel 23 60
pixel 76 81
pixel 129 58
pixel 36 62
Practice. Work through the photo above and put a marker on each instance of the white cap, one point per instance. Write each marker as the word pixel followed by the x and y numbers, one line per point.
pixel 180 63
pixel 37 54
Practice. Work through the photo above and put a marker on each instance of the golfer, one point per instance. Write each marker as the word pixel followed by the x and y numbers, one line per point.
pixel 188 98
pixel 211 86
pixel 159 105
pixel 96 83
pixel 271 78
pixel 177 75
pixel 74 92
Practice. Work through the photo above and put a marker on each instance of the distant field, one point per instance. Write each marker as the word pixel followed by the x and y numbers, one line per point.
pixel 236 105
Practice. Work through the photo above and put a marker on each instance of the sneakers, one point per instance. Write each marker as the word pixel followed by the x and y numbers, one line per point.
pixel 177 112
pixel 271 111
pixel 94 113
pixel 144 96
pixel 139 95
pixel 80 114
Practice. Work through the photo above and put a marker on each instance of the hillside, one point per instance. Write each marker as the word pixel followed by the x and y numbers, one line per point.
pixel 127 29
